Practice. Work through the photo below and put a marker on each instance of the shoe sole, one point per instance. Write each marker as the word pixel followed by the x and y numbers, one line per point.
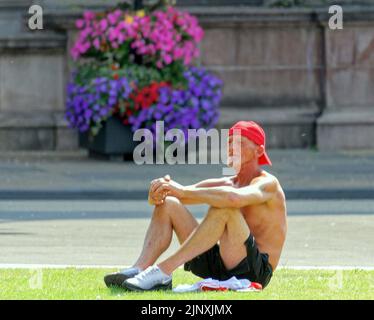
pixel 159 287
pixel 115 280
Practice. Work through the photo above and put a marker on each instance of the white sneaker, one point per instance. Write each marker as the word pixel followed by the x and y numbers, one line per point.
pixel 116 279
pixel 151 278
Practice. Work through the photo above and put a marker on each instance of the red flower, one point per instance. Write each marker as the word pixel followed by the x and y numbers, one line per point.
pixel 146 96
pixel 142 99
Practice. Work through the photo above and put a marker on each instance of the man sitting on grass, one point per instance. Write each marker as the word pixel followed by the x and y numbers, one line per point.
pixel 242 234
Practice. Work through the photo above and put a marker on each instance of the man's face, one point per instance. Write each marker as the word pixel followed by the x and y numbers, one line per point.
pixel 242 150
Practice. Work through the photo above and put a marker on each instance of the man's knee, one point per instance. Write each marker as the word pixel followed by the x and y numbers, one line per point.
pixel 223 213
pixel 170 204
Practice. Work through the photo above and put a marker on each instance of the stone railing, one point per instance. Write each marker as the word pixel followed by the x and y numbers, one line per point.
pixel 308 85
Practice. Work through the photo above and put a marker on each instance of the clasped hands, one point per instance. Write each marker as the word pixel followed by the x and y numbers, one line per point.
pixel 163 187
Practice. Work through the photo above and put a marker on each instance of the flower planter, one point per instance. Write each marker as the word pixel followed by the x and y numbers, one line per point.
pixel 114 141
pixel 137 79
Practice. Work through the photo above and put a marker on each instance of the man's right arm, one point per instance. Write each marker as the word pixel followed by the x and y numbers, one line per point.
pixel 209 183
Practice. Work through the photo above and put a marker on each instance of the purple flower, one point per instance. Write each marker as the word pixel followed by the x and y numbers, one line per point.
pixel 206 104
pixel 85 106
pixel 88 113
pixel 103 112
pixel 112 100
pixel 193 108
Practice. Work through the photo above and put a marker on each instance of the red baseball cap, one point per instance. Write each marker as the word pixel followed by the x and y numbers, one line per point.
pixel 255 133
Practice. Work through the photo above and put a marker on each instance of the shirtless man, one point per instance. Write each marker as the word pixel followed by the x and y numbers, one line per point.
pixel 242 234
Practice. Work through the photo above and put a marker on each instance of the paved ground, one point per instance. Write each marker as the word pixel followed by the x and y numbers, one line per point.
pixel 303 174
pixel 63 208
pixel 333 232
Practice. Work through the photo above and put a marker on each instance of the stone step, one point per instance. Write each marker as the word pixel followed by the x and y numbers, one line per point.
pixel 41 131
pixel 351 128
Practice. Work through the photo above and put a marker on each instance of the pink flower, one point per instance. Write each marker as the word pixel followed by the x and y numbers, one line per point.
pixel 161 37
pixel 168 59
pixel 85 33
pixel 113 17
pixel 83 47
pixel 152 49
pixel 103 25
pixel 89 15
pixel 80 23
pixel 96 43
pixel 113 34
pixel 74 53
pixel 178 53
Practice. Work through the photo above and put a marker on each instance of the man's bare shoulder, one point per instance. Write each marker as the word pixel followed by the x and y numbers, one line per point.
pixel 274 182
pixel 268 181
pixel 265 177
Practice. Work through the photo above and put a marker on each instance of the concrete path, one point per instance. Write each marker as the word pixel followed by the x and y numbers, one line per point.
pixel 64 208
pixel 304 174
pixel 323 233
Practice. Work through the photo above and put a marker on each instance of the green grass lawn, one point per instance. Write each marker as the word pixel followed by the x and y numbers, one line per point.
pixel 88 284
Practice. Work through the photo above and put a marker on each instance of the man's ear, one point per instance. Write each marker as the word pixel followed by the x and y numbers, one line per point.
pixel 260 150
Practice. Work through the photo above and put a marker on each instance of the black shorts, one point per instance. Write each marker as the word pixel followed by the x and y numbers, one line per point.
pixel 255 267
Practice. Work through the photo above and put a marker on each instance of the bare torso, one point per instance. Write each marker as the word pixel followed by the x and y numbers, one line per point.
pixel 267 222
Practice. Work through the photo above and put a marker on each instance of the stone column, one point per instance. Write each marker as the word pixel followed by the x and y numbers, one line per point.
pixel 348 120
pixel 32 83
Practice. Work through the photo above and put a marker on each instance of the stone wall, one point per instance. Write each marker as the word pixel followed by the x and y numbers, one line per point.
pixel 211 3
pixel 284 68
pixel 271 69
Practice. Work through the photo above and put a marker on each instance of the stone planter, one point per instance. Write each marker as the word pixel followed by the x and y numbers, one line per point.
pixel 113 142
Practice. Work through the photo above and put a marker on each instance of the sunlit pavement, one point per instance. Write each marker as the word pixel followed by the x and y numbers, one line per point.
pixel 62 175
pixel 321 233
pixel 64 208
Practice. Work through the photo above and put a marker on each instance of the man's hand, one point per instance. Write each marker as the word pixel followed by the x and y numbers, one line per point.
pixel 157 198
pixel 169 187
pixel 162 187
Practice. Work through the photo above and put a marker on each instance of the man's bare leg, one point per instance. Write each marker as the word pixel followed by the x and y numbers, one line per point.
pixel 227 225
pixel 169 216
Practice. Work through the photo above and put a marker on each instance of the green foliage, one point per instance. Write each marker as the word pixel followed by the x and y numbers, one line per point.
pixel 286 3
pixel 174 73
pixel 140 74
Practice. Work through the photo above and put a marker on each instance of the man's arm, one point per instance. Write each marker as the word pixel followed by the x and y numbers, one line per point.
pixel 209 183
pixel 226 196
pixel 217 182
